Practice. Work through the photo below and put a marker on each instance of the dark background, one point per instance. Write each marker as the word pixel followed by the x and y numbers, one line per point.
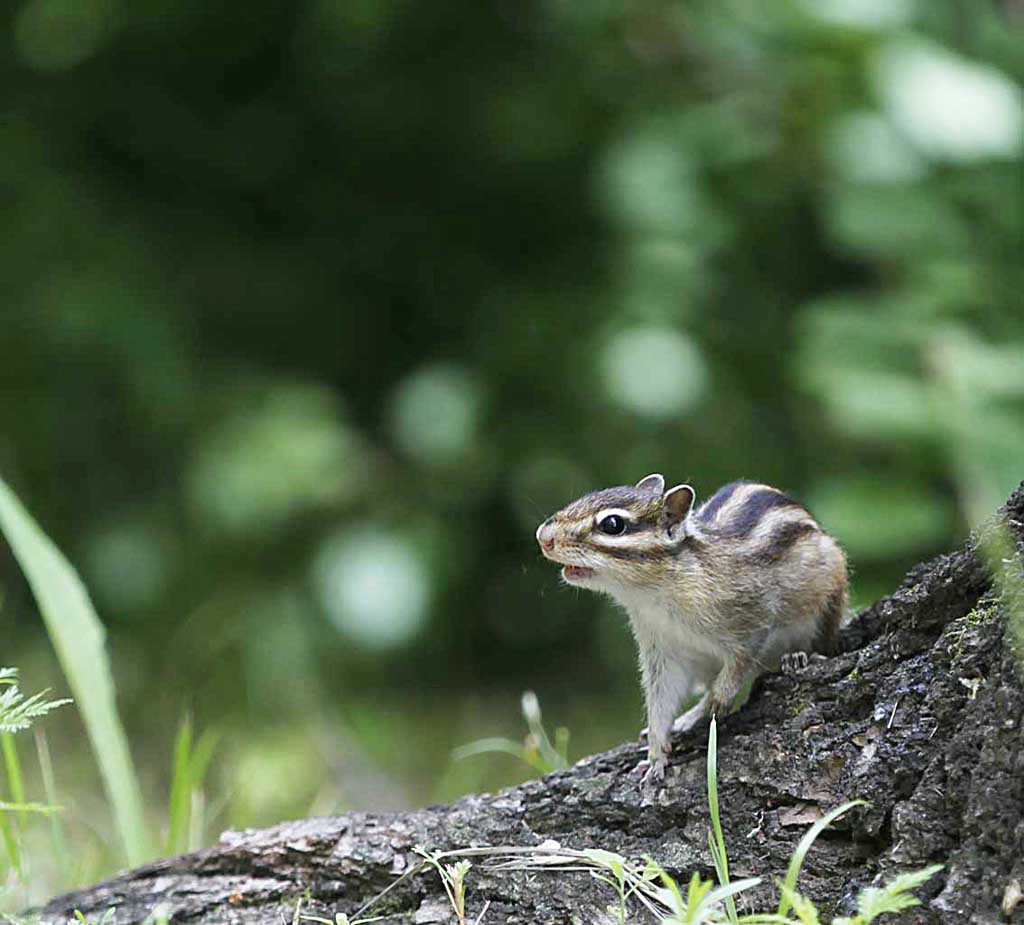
pixel 312 311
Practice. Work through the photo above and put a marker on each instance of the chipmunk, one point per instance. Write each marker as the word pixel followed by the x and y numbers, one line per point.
pixel 715 595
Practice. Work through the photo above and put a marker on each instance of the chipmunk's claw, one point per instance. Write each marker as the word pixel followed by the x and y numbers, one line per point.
pixel 650 773
pixel 793 662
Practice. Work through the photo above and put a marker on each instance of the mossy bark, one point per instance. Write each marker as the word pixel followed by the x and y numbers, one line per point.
pixel 921 715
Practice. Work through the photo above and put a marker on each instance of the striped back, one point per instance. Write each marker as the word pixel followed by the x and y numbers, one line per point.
pixel 762 520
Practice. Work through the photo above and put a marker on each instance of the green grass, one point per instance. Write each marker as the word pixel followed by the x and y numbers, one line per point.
pixel 78 638
pixel 58 837
pixel 796 862
pixel 716 838
pixel 16 806
pixel 536 749
pixel 17 713
pixel 191 762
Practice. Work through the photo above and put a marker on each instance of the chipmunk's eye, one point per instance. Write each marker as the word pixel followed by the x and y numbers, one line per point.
pixel 613 525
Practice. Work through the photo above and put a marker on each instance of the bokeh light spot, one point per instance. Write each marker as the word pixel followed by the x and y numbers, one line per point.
pixel 866 14
pixel 647 183
pixel 951 108
pixel 655 371
pixel 129 564
pixel 55 35
pixel 287 454
pixel 435 413
pixel 374 585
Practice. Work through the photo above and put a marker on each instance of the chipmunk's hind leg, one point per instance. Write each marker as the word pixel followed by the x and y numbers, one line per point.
pixel 691 717
pixel 830 622
pixel 796 654
pixel 720 700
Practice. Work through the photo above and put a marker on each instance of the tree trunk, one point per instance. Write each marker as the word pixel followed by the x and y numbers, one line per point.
pixel 920 715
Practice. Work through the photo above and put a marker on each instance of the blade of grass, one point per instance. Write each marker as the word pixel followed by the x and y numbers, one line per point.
pixel 12 765
pixel 191 762
pixel 501 746
pixel 196 821
pixel 10 824
pixel 10 840
pixel 550 757
pixel 178 803
pixel 797 860
pixel 58 836
pixel 716 837
pixel 202 756
pixel 79 640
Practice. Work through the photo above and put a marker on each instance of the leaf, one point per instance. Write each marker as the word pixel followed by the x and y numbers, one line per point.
pixel 805 911
pixel 895 895
pixel 17 711
pixel 609 859
pixel 671 898
pixel 720 893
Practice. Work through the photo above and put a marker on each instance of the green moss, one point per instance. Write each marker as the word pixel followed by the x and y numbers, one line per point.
pixel 981 614
pixel 962 631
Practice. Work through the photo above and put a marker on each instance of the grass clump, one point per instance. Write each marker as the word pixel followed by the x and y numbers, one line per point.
pixel 79 640
pixel 17 714
pixel 186 804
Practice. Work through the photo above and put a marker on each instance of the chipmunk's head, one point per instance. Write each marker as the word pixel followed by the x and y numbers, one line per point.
pixel 619 537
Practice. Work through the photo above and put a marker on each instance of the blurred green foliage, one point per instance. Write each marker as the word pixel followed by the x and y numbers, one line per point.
pixel 312 311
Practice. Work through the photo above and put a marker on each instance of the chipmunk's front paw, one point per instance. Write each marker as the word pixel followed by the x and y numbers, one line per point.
pixel 651 771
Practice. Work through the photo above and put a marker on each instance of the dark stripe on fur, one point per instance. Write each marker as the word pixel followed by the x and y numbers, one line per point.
pixel 716 502
pixel 690 544
pixel 753 509
pixel 649 554
pixel 781 541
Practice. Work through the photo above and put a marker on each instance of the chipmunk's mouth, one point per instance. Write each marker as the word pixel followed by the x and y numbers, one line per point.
pixel 576 572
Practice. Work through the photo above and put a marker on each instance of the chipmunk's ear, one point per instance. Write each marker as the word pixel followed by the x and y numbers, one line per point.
pixel 677 502
pixel 654 483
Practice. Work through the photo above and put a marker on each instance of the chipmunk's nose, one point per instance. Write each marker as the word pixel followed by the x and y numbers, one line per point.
pixel 546 535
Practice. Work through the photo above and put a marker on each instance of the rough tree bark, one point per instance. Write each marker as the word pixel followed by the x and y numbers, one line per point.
pixel 920 715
